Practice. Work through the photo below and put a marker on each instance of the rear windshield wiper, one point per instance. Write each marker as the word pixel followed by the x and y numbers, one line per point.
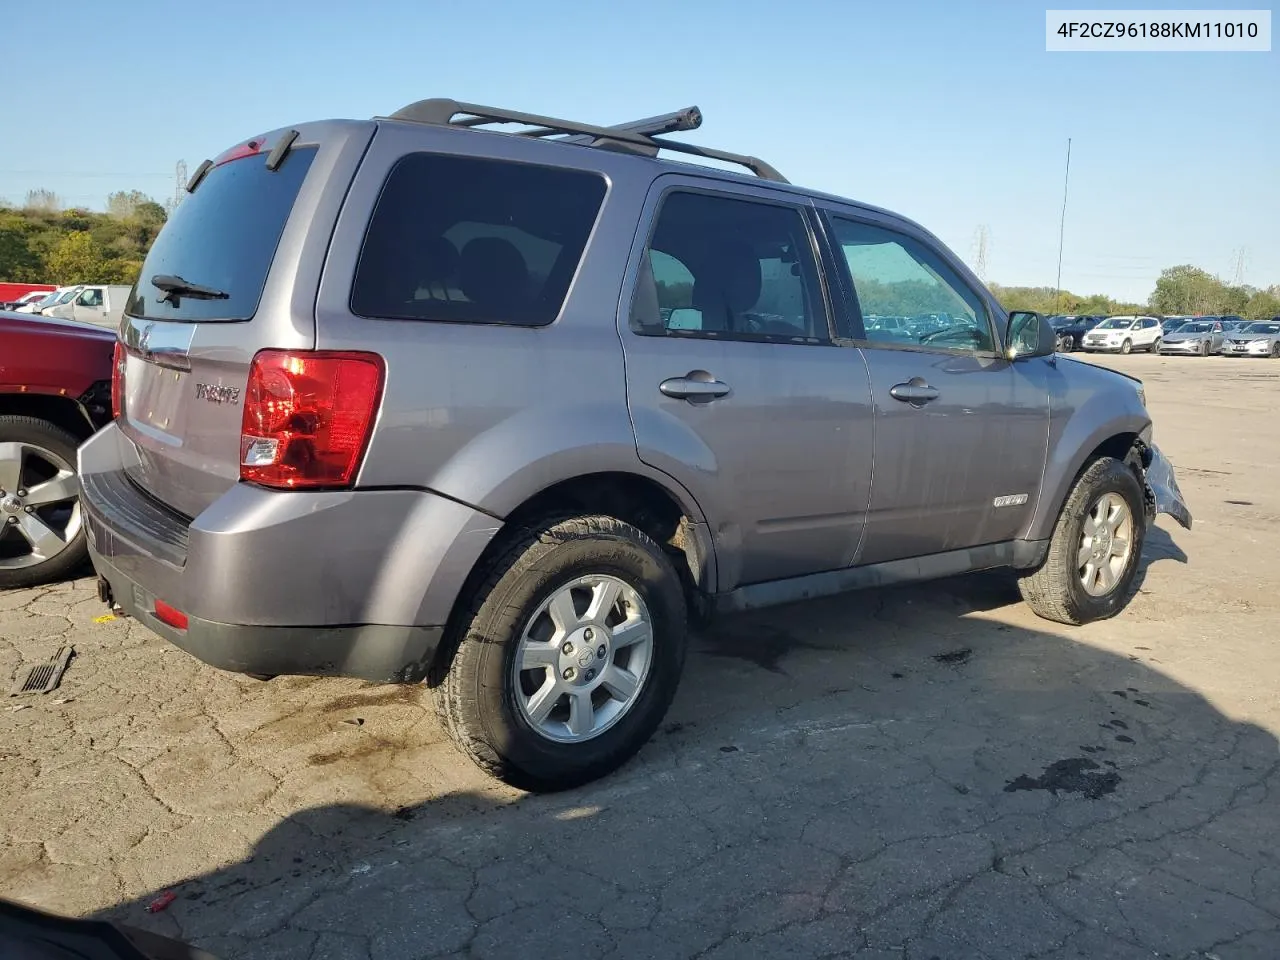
pixel 175 287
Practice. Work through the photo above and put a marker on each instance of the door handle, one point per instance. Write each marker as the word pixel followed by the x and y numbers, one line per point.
pixel 915 392
pixel 697 386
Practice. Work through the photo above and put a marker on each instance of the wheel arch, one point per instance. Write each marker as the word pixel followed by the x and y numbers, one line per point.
pixel 62 411
pixel 658 507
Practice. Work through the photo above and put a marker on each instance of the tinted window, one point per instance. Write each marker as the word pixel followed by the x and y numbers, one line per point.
pixel 475 241
pixel 224 236
pixel 727 268
pixel 895 275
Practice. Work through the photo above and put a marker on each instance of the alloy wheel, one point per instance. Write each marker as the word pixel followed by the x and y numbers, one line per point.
pixel 39 505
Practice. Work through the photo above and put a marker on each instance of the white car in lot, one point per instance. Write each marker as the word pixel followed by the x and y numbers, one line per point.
pixel 1260 339
pixel 1125 335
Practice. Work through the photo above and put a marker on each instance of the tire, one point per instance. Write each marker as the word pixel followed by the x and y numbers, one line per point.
pixel 482 697
pixel 1275 350
pixel 1064 344
pixel 1126 347
pixel 37 446
pixel 1055 590
pixel 1155 347
pixel 1204 348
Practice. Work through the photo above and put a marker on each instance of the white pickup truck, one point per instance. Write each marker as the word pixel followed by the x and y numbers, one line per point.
pixel 99 304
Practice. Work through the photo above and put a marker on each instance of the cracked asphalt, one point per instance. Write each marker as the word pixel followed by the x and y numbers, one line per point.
pixel 929 772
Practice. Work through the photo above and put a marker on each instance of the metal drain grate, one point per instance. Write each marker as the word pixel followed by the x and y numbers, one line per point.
pixel 43 677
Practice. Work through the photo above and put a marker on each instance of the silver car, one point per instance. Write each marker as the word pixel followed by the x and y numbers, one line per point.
pixel 409 399
pixel 1194 337
pixel 1261 339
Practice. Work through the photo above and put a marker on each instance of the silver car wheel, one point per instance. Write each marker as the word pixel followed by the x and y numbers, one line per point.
pixel 1106 544
pixel 583 658
pixel 39 505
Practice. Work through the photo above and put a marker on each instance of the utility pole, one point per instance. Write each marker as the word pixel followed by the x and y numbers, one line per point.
pixel 981 244
pixel 179 183
pixel 1241 256
pixel 1062 226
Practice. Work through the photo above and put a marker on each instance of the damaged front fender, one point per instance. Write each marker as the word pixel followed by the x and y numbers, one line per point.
pixel 1163 495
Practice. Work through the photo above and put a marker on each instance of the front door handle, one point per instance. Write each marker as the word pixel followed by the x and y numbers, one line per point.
pixel 915 392
pixel 697 386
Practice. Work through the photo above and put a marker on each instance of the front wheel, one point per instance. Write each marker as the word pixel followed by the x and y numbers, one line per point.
pixel 1093 554
pixel 1126 347
pixel 569 655
pixel 1064 344
pixel 1204 348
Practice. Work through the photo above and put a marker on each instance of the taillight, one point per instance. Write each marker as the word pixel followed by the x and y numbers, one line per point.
pixel 171 615
pixel 118 358
pixel 308 416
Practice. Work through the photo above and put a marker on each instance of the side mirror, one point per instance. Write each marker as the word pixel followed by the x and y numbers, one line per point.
pixel 1028 334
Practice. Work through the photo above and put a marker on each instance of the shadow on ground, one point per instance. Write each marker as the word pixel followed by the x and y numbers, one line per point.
pixel 886 775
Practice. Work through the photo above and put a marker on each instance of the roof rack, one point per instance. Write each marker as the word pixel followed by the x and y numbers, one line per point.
pixel 639 136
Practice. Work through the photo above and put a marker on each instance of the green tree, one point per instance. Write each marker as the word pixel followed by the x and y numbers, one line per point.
pixel 18 261
pixel 78 259
pixel 43 201
pixel 1264 304
pixel 124 204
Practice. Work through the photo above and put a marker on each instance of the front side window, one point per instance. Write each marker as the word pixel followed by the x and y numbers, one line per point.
pixel 724 268
pixel 472 240
pixel 896 276
pixel 90 298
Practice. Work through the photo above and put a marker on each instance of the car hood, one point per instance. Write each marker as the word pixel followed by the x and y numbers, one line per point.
pixel 1112 331
pixel 28 323
pixel 1179 337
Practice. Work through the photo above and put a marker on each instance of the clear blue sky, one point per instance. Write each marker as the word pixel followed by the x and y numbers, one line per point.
pixel 949 112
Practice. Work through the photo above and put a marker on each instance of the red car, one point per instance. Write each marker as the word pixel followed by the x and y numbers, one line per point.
pixel 55 392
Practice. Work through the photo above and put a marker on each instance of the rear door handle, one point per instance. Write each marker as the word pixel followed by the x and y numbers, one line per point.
pixel 697 386
pixel 915 392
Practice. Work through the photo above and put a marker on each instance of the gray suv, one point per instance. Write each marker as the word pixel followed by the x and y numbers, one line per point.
pixel 417 399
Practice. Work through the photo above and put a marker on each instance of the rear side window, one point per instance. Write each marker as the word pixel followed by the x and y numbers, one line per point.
pixel 223 237
pixel 472 240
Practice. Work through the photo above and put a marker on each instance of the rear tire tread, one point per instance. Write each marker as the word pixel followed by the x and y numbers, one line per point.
pixel 487 601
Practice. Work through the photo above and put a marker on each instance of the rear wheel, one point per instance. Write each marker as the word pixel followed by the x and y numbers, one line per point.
pixel 1093 553
pixel 1155 347
pixel 1126 347
pixel 42 535
pixel 569 654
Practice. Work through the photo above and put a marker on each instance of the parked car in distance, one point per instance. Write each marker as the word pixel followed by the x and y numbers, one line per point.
pixel 55 391
pixel 409 399
pixel 1169 324
pixel 1071 330
pixel 99 304
pixel 60 295
pixel 1124 334
pixel 27 298
pixel 1200 337
pixel 20 292
pixel 1258 339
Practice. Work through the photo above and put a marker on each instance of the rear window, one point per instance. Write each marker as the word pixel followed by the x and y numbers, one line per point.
pixel 223 236
pixel 471 240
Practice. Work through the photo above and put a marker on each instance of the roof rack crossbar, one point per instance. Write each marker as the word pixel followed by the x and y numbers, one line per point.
pixel 637 133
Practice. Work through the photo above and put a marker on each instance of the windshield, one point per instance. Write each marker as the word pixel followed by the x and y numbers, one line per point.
pixel 222 237
pixel 1194 328
pixel 1270 328
pixel 1116 323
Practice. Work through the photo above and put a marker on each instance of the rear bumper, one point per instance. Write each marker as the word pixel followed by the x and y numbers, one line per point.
pixel 376 652
pixel 331 583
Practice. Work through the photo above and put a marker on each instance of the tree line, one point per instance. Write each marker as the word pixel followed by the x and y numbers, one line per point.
pixel 40 242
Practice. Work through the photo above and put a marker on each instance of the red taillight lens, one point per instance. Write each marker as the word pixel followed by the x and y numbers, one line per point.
pixel 117 379
pixel 171 615
pixel 308 416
